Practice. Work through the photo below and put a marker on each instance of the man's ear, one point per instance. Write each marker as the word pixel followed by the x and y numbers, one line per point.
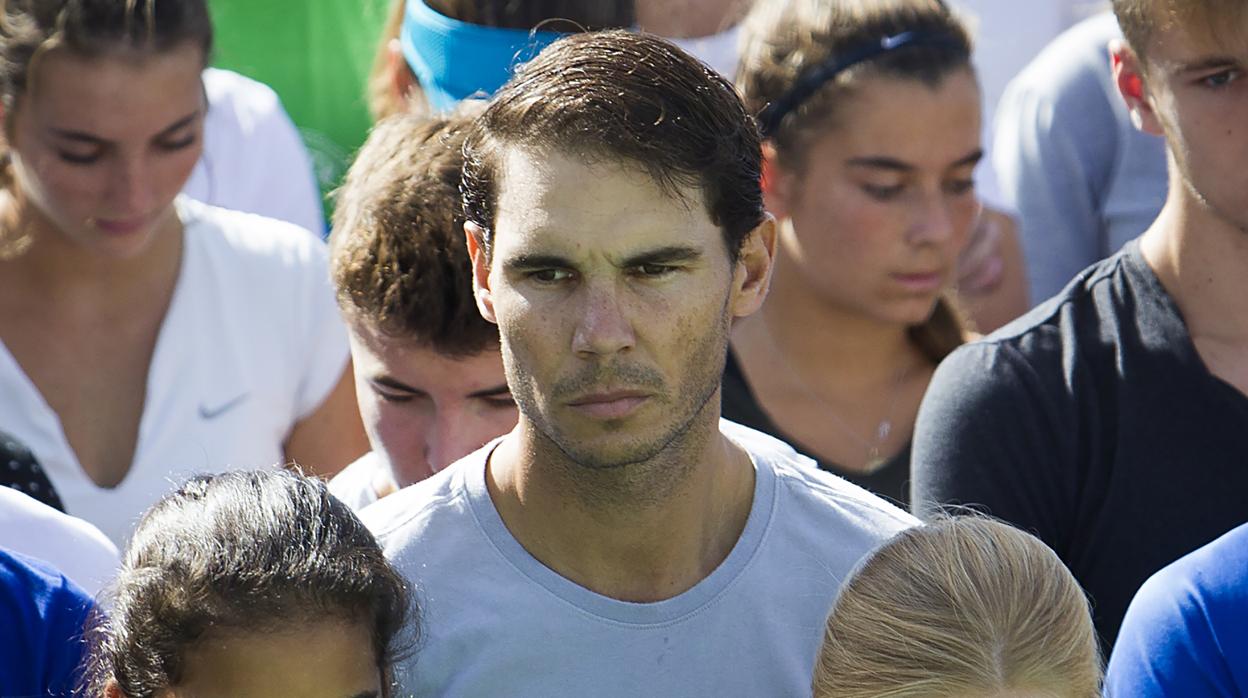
pixel 474 236
pixel 1130 80
pixel 777 184
pixel 752 274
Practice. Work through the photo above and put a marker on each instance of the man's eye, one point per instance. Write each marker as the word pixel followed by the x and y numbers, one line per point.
pixel 550 276
pixel 1221 79
pixel 392 397
pixel 500 402
pixel 654 271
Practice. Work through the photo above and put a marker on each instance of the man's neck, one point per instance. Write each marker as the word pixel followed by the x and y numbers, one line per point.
pixel 1202 261
pixel 642 532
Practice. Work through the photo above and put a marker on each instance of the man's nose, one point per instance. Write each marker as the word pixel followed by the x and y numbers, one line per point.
pixel 603 326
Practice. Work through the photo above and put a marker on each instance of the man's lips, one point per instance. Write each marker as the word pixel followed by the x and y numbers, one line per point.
pixel 610 404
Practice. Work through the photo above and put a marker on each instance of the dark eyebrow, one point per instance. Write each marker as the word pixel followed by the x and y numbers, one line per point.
pixel 491 392
pixel 84 137
pixel 887 163
pixel 880 163
pixel 536 261
pixel 664 255
pixel 1207 63
pixel 388 382
pixel 365 694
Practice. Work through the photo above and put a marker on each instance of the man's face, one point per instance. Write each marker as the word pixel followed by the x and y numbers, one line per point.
pixel 424 410
pixel 613 301
pixel 1197 97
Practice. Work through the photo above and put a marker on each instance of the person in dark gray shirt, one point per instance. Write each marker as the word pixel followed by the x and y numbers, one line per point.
pixel 1112 420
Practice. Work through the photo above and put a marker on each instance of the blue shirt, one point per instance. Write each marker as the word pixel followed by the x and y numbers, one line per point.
pixel 42 616
pixel 1186 632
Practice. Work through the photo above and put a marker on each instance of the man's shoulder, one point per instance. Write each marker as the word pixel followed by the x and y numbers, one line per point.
pixel 354 483
pixel 1070 321
pixel 411 513
pixel 813 493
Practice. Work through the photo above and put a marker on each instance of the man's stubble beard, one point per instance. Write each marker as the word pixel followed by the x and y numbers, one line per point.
pixel 644 471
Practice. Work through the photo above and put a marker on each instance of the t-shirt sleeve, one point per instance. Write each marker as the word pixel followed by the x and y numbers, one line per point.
pixel 322 350
pixel 986 438
pixel 1167 645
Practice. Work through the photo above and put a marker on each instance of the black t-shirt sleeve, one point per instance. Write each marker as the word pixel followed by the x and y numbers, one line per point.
pixel 991 435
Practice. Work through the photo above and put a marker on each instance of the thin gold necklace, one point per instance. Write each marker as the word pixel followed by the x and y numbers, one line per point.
pixel 882 430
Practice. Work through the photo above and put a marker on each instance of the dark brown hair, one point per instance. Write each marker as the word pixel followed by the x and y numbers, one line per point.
pixel 784 39
pixel 397 252
pixel 555 15
pixel 29 29
pixel 246 552
pixel 630 98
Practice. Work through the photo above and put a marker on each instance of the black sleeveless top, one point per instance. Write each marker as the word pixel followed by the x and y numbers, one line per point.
pixel 20 470
pixel 891 480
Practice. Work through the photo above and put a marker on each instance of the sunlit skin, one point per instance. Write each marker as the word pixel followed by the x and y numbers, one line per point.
pixel 321 659
pixel 613 299
pixel 1191 88
pixel 608 318
pixel 105 178
pixel 873 222
pixel 424 410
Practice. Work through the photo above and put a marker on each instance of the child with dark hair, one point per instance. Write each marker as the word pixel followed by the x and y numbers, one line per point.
pixel 246 584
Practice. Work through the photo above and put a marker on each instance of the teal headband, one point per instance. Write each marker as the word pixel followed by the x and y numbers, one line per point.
pixel 454 60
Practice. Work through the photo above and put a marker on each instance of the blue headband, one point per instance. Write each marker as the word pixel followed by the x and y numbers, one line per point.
pixel 810 81
pixel 454 60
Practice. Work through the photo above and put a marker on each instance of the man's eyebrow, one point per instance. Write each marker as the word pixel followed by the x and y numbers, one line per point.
pixel 495 391
pixel 522 262
pixel 663 255
pixel 388 382
pixel 1207 63
pixel 82 136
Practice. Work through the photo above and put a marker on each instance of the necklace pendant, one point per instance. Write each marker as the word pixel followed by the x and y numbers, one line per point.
pixel 883 430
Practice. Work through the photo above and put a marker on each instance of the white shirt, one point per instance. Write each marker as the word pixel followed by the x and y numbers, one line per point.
pixel 251 344
pixel 74 547
pixel 254 158
pixel 495 621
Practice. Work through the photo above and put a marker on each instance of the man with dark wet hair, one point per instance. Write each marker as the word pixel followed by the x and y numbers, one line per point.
pixel 622 540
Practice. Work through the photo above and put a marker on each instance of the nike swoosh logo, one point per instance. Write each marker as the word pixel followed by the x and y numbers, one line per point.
pixel 206 412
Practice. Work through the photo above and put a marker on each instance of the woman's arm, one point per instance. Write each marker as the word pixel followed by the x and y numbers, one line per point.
pixel 332 436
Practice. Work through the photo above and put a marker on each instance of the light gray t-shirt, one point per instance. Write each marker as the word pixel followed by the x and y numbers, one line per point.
pixel 495 621
pixel 354 483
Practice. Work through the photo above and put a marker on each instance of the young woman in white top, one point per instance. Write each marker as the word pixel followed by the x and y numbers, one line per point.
pixel 137 330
